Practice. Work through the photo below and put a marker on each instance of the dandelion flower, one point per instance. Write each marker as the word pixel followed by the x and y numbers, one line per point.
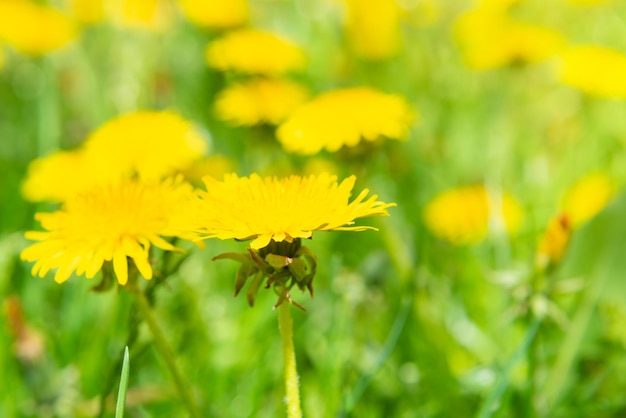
pixel 554 241
pixel 273 209
pixel 259 101
pixel 345 117
pixel 216 14
pixel 463 215
pixel 87 11
pixel 107 224
pixel 588 197
pixel 147 143
pixel 34 29
pixel 151 15
pixel 595 70
pixel 255 52
pixel 373 27
pixel 490 39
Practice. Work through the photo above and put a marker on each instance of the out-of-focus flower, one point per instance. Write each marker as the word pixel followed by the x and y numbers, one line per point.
pixel 373 27
pixel 29 345
pixel 215 166
pixel 286 209
pixel 345 117
pixel 595 70
pixel 255 52
pixel 554 241
pixel 463 215
pixel 588 197
pixel 259 101
pixel 154 15
pixel 107 224
pixel 216 14
pixel 87 11
pixel 147 144
pixel 34 29
pixel 490 39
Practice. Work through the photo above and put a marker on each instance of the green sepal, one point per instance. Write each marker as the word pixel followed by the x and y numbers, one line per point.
pixel 245 270
pixel 254 287
pixel 297 267
pixel 261 264
pixel 107 281
pixel 242 258
pixel 277 261
pixel 311 260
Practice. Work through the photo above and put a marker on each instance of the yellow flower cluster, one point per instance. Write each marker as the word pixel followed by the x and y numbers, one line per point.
pixel 216 14
pixel 464 215
pixel 373 27
pixel 148 144
pixel 34 29
pixel 345 117
pixel 259 101
pixel 254 51
pixel 151 15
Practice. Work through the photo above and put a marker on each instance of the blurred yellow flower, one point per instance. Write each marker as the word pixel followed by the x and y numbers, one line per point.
pixel 259 101
pixel 285 209
pixel 464 215
pixel 34 29
pixel 373 27
pixel 345 117
pixel 490 39
pixel 148 144
pixel 215 166
pixel 58 176
pixel 87 11
pixel 588 197
pixel 595 70
pixel 554 241
pixel 216 14
pixel 255 52
pixel 107 224
pixel 151 144
pixel 154 15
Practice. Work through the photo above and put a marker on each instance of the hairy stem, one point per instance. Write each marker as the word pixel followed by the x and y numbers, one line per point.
pixel 285 324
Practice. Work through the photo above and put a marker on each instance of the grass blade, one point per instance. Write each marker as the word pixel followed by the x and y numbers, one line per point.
pixel 121 394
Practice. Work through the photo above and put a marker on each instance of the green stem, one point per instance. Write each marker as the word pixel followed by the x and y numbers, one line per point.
pixel 166 353
pixel 285 324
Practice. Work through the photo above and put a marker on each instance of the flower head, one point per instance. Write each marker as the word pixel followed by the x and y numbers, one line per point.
pixel 255 52
pixel 588 197
pixel 272 209
pixel 216 14
pixel 34 29
pixel 554 241
pixel 345 117
pixel 462 216
pixel 107 224
pixel 259 101
pixel 595 70
pixel 490 39
pixel 153 15
pixel 373 27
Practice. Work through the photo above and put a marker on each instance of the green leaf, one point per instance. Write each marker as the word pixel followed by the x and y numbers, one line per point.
pixel 121 394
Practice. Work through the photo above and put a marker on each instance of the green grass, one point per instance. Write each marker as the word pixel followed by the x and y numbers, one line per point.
pixel 402 324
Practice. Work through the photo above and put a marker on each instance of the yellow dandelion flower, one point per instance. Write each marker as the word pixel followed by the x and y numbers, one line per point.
pixel 345 117
pixel 489 39
pixel 554 241
pixel 107 224
pixel 87 11
pixel 255 52
pixel 463 215
pixel 588 197
pixel 148 143
pixel 152 15
pixel 259 101
pixel 216 14
pixel 373 27
pixel 63 174
pixel 286 209
pixel 595 70
pixel 34 29
pixel 215 166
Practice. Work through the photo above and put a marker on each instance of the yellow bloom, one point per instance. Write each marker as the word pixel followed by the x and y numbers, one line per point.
pixel 595 70
pixel 272 209
pixel 216 14
pixel 34 29
pixel 489 39
pixel 107 224
pixel 87 11
pixel 463 215
pixel 259 101
pixel 215 166
pixel 373 27
pixel 554 241
pixel 344 117
pixel 148 143
pixel 255 52
pixel 151 145
pixel 140 14
pixel 588 197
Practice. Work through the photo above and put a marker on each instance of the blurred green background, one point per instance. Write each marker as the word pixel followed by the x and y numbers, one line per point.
pixel 403 323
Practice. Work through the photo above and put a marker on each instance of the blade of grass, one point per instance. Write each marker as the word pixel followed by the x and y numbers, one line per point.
pixel 121 394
